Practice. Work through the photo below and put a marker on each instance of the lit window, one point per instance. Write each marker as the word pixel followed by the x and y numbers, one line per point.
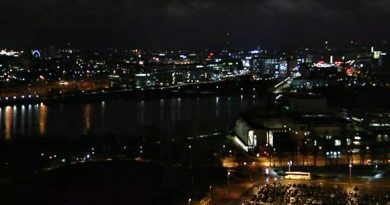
pixel 337 142
pixel 348 142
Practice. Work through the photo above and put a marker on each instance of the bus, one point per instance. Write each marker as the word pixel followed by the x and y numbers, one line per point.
pixel 297 175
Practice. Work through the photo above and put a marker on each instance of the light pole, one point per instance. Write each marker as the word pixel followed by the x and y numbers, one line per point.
pixel 190 158
pixel 228 177
pixel 289 163
pixel 350 174
pixel 189 155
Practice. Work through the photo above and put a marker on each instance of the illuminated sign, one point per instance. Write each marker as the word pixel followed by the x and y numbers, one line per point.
pixel 36 54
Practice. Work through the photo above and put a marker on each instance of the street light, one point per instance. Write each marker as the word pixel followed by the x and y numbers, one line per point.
pixel 190 158
pixel 189 153
pixel 289 163
pixel 350 173
pixel 228 177
pixel 189 201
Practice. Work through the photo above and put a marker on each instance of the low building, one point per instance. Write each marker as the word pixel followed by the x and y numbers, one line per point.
pixel 306 121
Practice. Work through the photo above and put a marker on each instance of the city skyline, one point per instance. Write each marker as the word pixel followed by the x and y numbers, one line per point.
pixel 195 102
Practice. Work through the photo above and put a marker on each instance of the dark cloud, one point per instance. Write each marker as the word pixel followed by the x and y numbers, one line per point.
pixel 189 23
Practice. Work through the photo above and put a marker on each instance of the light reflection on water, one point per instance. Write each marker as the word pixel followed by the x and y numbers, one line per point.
pixel 87 117
pixel 102 114
pixel 166 118
pixel 1 120
pixel 8 122
pixel 161 109
pixel 42 118
pixel 23 119
pixel 14 117
pixel 217 107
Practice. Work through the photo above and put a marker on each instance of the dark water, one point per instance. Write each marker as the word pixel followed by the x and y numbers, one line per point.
pixel 164 118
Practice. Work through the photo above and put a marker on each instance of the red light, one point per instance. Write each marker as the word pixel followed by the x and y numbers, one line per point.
pixel 349 71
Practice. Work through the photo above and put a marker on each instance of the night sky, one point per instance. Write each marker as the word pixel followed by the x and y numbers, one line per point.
pixel 192 24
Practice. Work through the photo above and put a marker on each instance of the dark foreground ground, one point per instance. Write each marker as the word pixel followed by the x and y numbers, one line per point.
pixel 120 182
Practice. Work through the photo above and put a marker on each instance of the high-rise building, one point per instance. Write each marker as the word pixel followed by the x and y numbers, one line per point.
pixel 292 63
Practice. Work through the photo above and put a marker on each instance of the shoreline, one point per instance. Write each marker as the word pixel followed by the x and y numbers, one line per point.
pixel 186 90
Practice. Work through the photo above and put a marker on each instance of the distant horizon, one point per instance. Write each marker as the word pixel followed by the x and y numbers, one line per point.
pixel 365 43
